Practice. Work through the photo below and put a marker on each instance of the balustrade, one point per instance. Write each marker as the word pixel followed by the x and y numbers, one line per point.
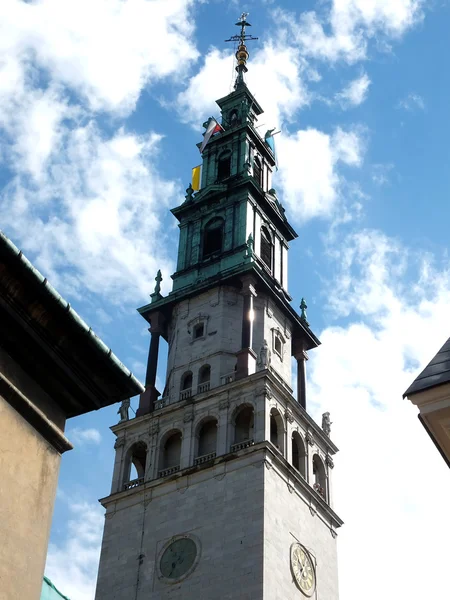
pixel 241 445
pixel 205 458
pixel 185 394
pixel 169 471
pixel 129 485
pixel 203 387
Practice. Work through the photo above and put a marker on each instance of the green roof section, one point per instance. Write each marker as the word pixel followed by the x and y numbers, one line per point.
pixel 72 316
pixel 50 592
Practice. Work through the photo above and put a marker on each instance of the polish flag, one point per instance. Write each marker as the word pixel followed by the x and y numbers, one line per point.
pixel 212 128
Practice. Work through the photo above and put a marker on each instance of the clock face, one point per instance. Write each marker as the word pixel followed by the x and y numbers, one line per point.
pixel 178 558
pixel 303 569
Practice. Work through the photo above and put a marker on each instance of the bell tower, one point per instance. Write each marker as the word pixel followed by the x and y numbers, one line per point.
pixel 231 495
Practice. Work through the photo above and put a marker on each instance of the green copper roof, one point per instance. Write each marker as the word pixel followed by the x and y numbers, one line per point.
pixel 50 592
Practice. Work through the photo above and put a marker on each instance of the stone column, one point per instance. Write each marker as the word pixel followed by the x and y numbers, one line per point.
pixel 309 439
pixel 301 358
pixel 329 466
pixel 246 357
pixel 118 464
pixel 289 431
pixel 150 395
pixel 223 445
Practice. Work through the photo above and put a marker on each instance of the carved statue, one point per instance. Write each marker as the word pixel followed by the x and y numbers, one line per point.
pixel 158 280
pixel 249 252
pixel 123 410
pixel 264 356
pixel 326 423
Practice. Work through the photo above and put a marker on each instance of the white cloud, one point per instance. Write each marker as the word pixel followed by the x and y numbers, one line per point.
pixel 276 77
pixel 412 102
pixel 106 50
pixel 381 172
pixel 355 93
pixel 91 213
pixel 352 23
pixel 309 169
pixel 72 564
pixel 388 468
pixel 84 436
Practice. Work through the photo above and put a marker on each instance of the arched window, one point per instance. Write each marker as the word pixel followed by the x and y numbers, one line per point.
pixel 298 454
pixel 243 431
pixel 135 463
pixel 266 247
pixel 257 172
pixel 204 376
pixel 320 477
pixel 213 237
pixel 224 165
pixel 233 118
pixel 207 441
pixel 277 430
pixel 170 454
pixel 273 431
pixel 186 385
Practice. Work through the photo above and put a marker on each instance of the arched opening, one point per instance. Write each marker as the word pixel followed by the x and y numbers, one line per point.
pixel 213 237
pixel 170 454
pixel 277 430
pixel 233 118
pixel 135 465
pixel 204 377
pixel 224 166
pixel 320 477
pixel 273 431
pixel 186 385
pixel 207 442
pixel 243 429
pixel 298 454
pixel 257 172
pixel 266 247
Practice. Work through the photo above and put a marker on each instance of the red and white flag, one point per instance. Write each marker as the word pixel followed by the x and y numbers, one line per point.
pixel 212 128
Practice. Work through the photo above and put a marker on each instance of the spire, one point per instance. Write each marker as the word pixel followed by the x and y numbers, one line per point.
pixel 242 52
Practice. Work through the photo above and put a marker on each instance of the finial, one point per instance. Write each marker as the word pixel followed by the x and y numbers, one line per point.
pixel 303 307
pixel 157 293
pixel 189 193
pixel 242 52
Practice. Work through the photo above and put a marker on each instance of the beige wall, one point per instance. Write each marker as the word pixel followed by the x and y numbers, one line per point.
pixel 29 471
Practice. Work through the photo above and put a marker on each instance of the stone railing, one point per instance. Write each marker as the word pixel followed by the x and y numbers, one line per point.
pixel 129 485
pixel 169 471
pixel 185 394
pixel 161 403
pixel 241 445
pixel 319 489
pixel 228 378
pixel 203 387
pixel 205 458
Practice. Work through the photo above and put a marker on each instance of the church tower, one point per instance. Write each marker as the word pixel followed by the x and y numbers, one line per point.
pixel 231 496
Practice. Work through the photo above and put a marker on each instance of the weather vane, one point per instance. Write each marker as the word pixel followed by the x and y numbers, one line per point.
pixel 242 52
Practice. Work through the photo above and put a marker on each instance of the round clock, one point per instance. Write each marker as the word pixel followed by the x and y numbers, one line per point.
pixel 178 558
pixel 303 569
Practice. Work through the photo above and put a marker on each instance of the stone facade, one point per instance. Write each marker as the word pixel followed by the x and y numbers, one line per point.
pixel 246 503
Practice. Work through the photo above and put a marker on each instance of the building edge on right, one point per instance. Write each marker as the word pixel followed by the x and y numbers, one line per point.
pixel 430 392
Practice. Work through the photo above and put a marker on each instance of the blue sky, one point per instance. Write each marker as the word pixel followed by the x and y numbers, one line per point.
pixel 101 105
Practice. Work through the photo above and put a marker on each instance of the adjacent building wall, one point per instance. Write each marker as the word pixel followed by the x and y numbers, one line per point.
pixel 29 471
